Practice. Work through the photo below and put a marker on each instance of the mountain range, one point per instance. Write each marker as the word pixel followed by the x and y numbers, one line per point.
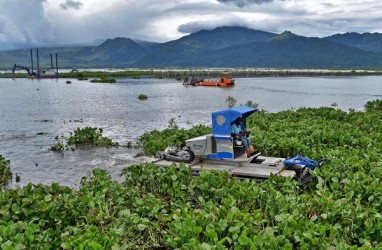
pixel 220 47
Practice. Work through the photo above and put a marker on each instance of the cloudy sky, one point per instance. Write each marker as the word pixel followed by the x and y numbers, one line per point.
pixel 26 23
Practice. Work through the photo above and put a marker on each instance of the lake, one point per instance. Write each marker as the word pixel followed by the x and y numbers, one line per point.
pixel 34 112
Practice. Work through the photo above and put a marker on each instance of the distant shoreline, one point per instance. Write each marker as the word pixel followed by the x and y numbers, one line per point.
pixel 181 73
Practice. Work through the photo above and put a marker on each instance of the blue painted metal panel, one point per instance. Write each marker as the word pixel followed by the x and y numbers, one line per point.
pixel 222 138
pixel 222 120
pixel 220 155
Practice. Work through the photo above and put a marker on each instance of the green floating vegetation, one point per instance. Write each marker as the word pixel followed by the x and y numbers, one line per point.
pixel 60 145
pixel 230 101
pixel 18 177
pixel 83 136
pixel 163 208
pixel 142 97
pixel 106 74
pixel 104 80
pixel 316 132
pixel 375 105
pixel 252 104
pixel 5 171
pixel 89 135
pixel 155 141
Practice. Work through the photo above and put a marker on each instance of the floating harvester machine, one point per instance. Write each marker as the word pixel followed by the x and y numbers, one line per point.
pixel 39 73
pixel 225 80
pixel 221 152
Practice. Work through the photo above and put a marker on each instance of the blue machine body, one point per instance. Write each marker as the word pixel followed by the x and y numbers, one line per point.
pixel 219 144
pixel 221 130
pixel 222 120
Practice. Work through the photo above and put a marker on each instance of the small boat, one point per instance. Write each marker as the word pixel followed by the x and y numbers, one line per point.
pixel 225 80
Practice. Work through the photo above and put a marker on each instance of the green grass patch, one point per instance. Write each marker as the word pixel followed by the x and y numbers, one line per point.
pixel 106 74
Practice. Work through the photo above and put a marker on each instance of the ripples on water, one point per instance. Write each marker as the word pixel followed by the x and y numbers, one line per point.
pixel 30 107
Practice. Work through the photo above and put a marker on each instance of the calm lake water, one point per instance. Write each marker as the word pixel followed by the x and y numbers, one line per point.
pixel 29 107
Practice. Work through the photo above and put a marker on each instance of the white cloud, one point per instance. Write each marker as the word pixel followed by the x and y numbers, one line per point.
pixel 32 22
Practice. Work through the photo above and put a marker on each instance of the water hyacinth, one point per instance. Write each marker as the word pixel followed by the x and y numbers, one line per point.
pixel 83 136
pixel 89 135
pixel 5 171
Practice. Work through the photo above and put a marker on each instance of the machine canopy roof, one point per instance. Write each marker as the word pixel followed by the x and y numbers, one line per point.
pixel 222 120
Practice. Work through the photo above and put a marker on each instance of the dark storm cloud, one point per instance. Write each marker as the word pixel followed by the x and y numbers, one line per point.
pixel 70 4
pixel 23 23
pixel 242 3
pixel 209 25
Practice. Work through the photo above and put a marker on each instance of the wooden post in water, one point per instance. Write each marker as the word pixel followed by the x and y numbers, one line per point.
pixel 32 60
pixel 56 66
pixel 38 65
